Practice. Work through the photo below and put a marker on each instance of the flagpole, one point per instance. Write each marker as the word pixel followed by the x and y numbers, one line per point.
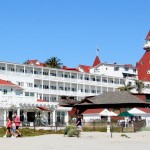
pixel 97 51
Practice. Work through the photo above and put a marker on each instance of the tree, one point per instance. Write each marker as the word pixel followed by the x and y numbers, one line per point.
pixel 139 85
pixel 53 62
pixel 126 87
pixel 26 62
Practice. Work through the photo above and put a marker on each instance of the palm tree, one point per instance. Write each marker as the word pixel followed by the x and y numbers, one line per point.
pixel 139 85
pixel 126 87
pixel 26 62
pixel 53 62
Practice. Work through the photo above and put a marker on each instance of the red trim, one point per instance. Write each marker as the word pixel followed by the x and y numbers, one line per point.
pixel 93 111
pixel 40 100
pixel 43 108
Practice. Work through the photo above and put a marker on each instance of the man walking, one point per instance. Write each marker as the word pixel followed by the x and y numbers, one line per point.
pixel 79 123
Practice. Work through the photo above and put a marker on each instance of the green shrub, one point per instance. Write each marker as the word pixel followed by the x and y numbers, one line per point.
pixel 71 131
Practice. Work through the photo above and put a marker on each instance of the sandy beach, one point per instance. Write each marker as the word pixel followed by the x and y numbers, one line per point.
pixel 87 141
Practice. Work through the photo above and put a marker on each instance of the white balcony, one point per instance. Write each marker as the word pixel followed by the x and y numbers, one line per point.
pixel 17 101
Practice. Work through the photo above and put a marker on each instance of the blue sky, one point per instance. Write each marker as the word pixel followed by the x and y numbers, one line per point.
pixel 72 29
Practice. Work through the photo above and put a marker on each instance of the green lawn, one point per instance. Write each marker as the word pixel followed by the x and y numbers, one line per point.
pixel 26 132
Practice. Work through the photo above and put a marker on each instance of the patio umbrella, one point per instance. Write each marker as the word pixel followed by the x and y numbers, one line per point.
pixel 125 114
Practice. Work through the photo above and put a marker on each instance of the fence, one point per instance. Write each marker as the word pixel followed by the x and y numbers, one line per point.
pixel 87 126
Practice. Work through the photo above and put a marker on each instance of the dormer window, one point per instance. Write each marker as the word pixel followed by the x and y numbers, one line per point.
pixel 96 70
pixel 126 68
pixel 148 71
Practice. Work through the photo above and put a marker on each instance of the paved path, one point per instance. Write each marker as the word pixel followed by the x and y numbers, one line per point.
pixel 87 141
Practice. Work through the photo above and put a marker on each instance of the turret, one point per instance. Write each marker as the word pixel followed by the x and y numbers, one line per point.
pixel 147 44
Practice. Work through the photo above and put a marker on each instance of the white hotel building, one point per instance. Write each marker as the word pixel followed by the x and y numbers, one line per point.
pixel 34 90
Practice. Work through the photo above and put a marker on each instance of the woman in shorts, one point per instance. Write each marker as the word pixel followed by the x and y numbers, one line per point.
pixel 8 127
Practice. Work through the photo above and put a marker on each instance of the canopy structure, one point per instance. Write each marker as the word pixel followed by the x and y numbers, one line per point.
pixel 143 112
pixel 125 114
pixel 108 113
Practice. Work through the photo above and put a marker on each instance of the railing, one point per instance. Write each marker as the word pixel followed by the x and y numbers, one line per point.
pixel 87 126
pixel 56 78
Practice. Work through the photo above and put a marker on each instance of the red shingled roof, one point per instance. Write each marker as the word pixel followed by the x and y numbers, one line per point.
pixel 73 69
pixel 8 83
pixel 143 67
pixel 85 68
pixel 146 110
pixel 4 82
pixel 93 111
pixel 96 61
pixel 36 62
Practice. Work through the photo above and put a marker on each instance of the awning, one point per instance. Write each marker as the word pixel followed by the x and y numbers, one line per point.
pixel 125 114
pixel 43 108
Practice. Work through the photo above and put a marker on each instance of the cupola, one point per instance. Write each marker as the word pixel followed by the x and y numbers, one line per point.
pixel 147 44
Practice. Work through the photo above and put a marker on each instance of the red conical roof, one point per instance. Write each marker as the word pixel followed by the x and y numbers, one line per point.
pixel 96 61
pixel 143 67
pixel 148 36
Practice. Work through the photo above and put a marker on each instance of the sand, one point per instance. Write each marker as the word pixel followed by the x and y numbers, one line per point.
pixel 87 141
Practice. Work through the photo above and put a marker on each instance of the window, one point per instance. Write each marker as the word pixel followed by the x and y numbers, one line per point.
pixel 29 84
pixel 98 80
pixel 53 87
pixel 93 91
pixel 93 79
pixel 20 83
pixel 22 70
pixel 35 72
pixel 60 88
pixel 35 85
pixel 45 73
pixel 45 87
pixel 53 99
pixel 73 89
pixel 86 78
pixel 134 70
pixel 116 68
pixel 12 69
pixel 147 98
pixel 2 68
pixel 148 71
pixel 5 91
pixel 53 74
pixel 96 70
pixel 26 93
pixel 86 91
pixel 32 94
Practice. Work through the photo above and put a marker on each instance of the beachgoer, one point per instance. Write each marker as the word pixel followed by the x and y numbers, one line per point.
pixel 79 123
pixel 13 129
pixel 17 123
pixel 8 127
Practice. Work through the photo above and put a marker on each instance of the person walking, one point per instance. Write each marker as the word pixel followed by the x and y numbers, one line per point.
pixel 79 123
pixel 13 129
pixel 17 123
pixel 8 127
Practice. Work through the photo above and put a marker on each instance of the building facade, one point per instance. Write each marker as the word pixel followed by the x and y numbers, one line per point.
pixel 33 91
